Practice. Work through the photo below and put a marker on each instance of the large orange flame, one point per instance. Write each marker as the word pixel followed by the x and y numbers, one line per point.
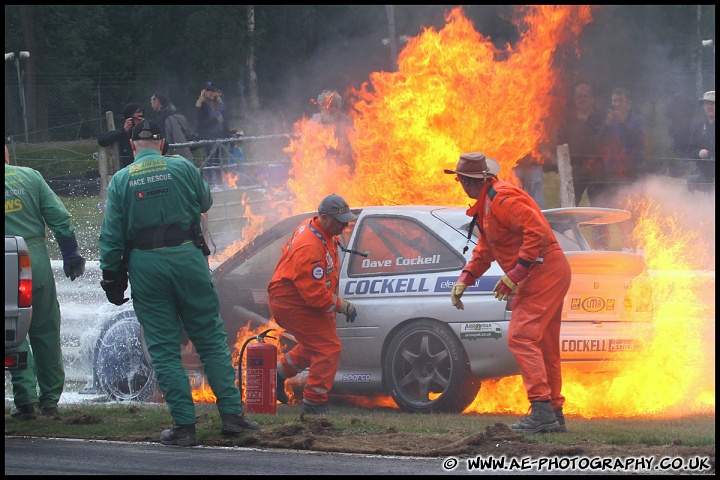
pixel 454 92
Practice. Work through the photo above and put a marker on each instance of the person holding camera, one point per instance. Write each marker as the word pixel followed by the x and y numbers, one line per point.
pixel 132 113
pixel 621 140
pixel 212 121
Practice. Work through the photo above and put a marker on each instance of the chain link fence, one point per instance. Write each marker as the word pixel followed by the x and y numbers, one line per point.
pixel 62 111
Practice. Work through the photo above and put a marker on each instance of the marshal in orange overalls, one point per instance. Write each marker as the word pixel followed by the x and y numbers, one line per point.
pixel 514 229
pixel 302 299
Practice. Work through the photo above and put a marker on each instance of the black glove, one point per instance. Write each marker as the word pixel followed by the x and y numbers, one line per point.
pixel 348 309
pixel 73 264
pixel 351 316
pixel 115 284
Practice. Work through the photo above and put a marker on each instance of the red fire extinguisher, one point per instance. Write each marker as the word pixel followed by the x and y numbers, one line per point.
pixel 261 382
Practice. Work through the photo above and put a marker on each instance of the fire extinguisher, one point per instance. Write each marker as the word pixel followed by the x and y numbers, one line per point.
pixel 261 382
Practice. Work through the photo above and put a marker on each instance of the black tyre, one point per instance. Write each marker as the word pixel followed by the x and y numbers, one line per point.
pixel 426 369
pixel 120 367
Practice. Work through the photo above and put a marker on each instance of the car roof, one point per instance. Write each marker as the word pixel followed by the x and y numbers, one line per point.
pixel 560 219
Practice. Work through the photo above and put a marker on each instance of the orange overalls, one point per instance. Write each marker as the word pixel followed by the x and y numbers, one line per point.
pixel 513 228
pixel 302 299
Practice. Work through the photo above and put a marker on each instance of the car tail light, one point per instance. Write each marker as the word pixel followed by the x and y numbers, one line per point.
pixel 16 361
pixel 25 281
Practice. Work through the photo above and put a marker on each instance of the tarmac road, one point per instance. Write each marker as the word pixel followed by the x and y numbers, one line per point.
pixel 56 456
pixel 48 456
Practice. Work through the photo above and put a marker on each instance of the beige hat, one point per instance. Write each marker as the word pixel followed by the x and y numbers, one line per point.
pixel 708 96
pixel 475 165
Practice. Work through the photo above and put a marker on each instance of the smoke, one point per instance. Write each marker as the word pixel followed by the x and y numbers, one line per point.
pixel 345 63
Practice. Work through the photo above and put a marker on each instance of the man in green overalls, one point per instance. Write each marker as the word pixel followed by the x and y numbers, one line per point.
pixel 153 209
pixel 30 205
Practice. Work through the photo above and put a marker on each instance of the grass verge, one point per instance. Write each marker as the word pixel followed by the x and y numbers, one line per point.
pixel 144 422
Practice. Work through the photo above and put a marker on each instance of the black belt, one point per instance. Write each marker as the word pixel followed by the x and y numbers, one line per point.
pixel 159 236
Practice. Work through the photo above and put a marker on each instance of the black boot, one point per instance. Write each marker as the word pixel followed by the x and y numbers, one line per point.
pixel 541 419
pixel 23 412
pixel 180 435
pixel 234 423
pixel 315 409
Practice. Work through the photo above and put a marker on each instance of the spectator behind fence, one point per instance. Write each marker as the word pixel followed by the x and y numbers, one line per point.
pixel 132 113
pixel 330 105
pixel 212 118
pixel 621 140
pixel 175 127
pixel 579 131
pixel 702 147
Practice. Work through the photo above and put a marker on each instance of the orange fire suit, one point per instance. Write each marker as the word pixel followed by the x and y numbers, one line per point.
pixel 514 230
pixel 302 299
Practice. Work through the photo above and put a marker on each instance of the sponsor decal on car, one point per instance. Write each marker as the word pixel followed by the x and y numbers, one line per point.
pixel 482 284
pixel 401 261
pixel 356 378
pixel 598 345
pixel 385 286
pixel 473 331
pixel 593 304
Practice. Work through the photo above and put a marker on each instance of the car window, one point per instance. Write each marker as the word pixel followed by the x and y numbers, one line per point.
pixel 400 245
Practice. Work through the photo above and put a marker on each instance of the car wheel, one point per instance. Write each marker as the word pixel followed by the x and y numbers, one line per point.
pixel 426 369
pixel 120 367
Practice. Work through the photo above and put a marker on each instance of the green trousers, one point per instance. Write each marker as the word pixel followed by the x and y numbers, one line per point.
pixel 172 288
pixel 45 363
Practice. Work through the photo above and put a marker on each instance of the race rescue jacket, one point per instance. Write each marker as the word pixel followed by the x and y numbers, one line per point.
pixel 307 273
pixel 154 190
pixel 31 205
pixel 512 229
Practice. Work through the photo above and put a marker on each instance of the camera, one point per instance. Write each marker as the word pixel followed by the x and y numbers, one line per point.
pixel 136 120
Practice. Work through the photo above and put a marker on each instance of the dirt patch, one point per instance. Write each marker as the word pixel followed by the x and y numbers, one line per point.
pixel 497 440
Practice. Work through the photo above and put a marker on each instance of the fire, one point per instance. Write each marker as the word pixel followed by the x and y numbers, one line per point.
pixel 253 227
pixel 455 92
pixel 675 375
pixel 201 391
pixel 230 179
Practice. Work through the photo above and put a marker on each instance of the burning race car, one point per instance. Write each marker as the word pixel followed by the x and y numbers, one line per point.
pixel 408 341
